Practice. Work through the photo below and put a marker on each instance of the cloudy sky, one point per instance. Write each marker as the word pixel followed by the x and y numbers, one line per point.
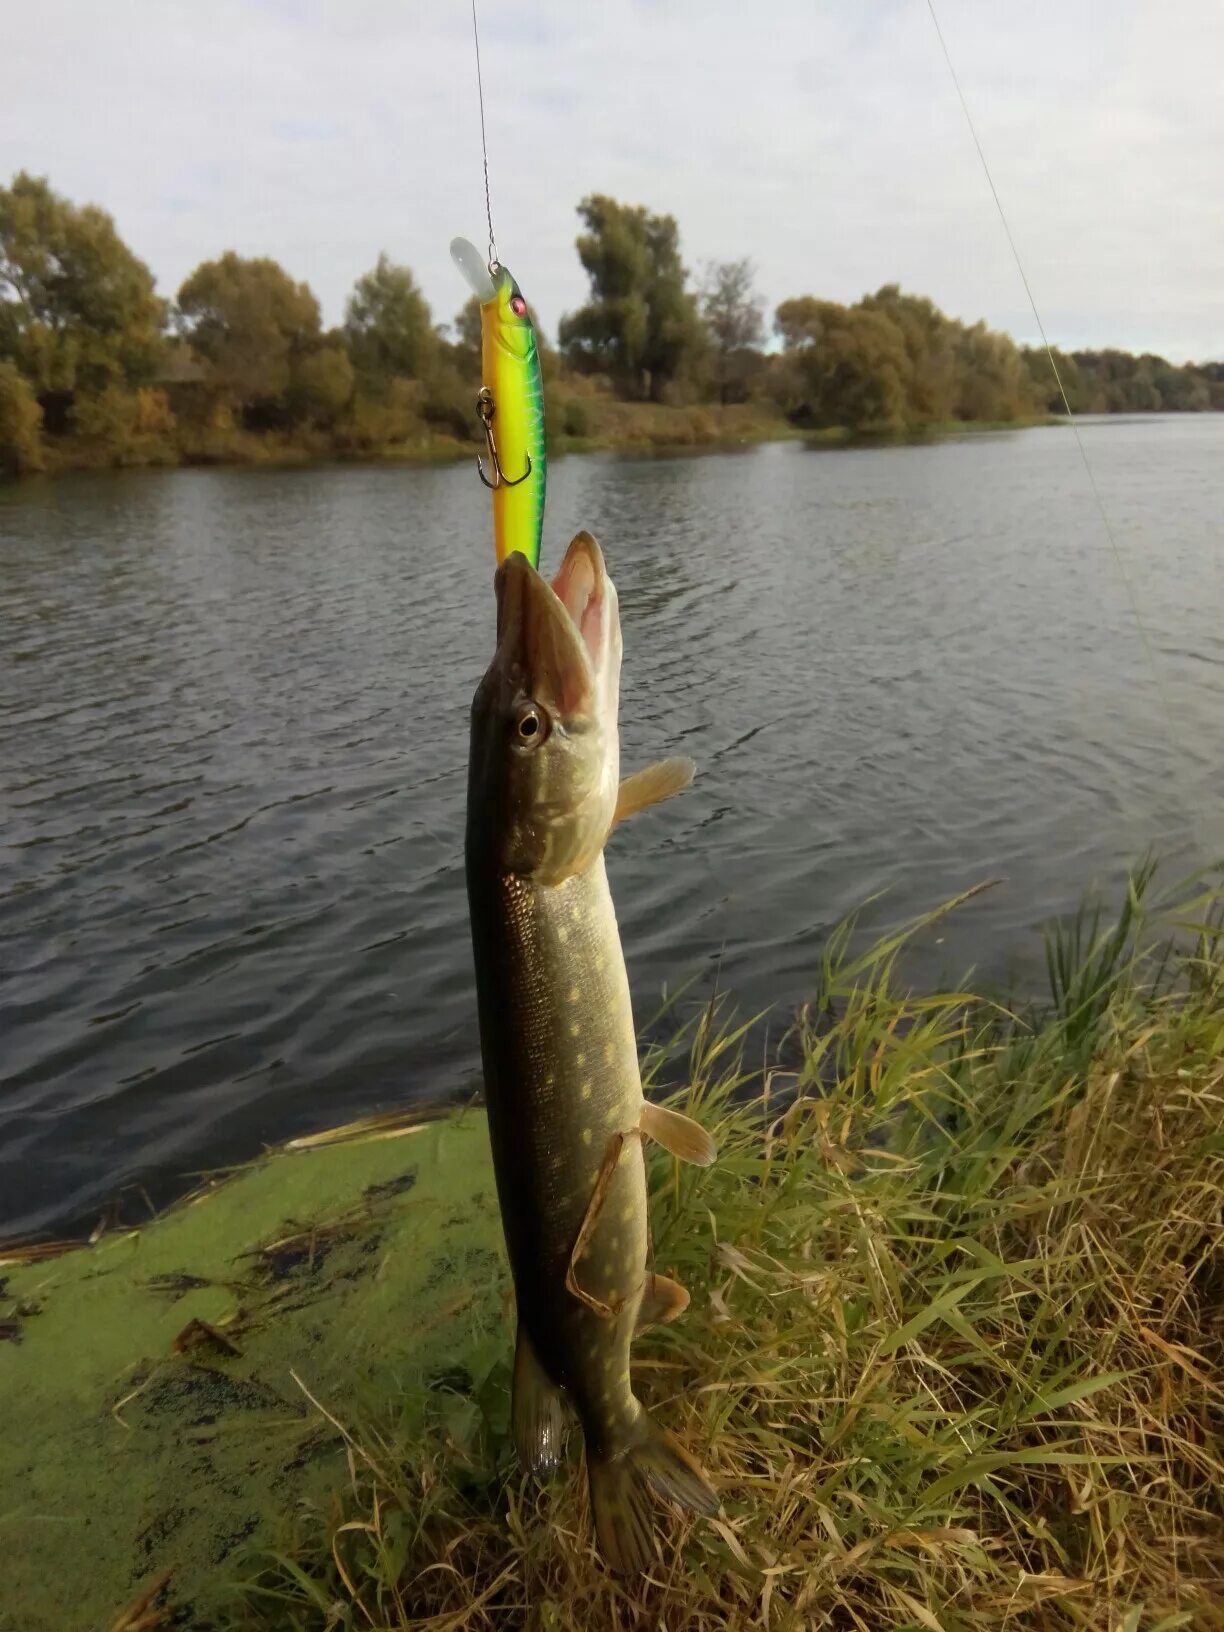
pixel 823 138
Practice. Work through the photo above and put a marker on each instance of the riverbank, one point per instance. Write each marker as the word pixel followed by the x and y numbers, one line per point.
pixel 586 423
pixel 162 1373
pixel 954 1355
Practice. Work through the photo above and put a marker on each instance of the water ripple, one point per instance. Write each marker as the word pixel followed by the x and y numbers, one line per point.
pixel 234 705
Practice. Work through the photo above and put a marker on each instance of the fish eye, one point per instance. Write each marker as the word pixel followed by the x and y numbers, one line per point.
pixel 530 726
pixel 518 305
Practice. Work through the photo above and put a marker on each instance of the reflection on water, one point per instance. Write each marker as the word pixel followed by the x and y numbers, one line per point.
pixel 233 719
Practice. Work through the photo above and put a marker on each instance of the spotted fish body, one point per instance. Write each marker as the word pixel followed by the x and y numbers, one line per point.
pixel 566 1111
pixel 552 1130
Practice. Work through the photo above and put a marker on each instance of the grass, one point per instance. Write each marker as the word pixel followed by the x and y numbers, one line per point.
pixel 584 423
pixel 954 1354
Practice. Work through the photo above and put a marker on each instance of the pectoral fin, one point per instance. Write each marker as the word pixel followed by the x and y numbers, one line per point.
pixel 536 1416
pixel 687 1140
pixel 651 786
pixel 663 1300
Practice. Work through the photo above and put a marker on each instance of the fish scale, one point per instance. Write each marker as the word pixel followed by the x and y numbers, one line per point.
pixel 562 1079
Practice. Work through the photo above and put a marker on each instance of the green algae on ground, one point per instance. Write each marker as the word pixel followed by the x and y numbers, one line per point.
pixel 364 1268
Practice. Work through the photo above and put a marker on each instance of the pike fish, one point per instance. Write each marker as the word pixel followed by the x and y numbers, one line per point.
pixel 566 1112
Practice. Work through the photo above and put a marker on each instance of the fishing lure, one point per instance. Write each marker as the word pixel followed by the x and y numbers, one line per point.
pixel 510 404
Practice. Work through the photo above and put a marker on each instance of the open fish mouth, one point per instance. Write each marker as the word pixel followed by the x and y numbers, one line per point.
pixel 561 642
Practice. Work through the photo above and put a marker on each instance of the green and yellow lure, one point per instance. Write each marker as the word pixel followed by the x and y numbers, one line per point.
pixel 511 405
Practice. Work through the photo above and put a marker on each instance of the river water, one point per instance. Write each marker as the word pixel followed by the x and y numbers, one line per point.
pixel 233 734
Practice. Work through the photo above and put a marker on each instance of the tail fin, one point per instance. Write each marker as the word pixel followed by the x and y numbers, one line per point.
pixel 620 1494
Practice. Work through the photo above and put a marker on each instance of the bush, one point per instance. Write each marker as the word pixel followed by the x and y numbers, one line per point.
pixel 322 386
pixel 450 402
pixel 20 424
pixel 121 427
pixel 575 419
pixel 387 419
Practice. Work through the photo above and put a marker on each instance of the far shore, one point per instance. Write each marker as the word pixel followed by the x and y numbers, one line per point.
pixel 638 428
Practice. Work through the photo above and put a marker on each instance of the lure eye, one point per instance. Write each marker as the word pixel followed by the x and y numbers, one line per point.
pixel 530 726
pixel 518 305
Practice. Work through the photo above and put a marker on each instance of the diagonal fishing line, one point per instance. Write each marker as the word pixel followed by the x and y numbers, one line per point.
pixel 484 145
pixel 1174 734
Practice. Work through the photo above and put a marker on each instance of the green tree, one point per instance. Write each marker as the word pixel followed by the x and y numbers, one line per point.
pixel 1116 382
pixel 1083 394
pixel 930 344
pixel 733 312
pixel 20 424
pixel 77 308
pixel 253 326
pixel 850 364
pixel 467 325
pixel 1181 390
pixel 992 380
pixel 641 325
pixel 322 386
pixel 1212 376
pixel 390 331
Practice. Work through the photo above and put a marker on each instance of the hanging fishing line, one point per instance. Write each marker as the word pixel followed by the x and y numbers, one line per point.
pixel 484 145
pixel 1174 734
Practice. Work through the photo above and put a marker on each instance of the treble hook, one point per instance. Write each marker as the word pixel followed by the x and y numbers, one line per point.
pixel 484 407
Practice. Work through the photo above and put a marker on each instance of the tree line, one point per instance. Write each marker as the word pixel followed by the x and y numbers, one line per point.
pixel 97 367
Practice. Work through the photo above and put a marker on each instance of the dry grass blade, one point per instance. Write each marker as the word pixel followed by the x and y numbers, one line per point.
pixel 140 1616
pixel 955 1349
pixel 33 1252
pixel 389 1125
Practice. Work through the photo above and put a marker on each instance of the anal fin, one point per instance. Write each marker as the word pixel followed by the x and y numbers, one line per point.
pixel 535 1411
pixel 651 785
pixel 687 1140
pixel 663 1300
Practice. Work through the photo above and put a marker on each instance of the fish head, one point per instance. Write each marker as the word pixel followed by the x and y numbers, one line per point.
pixel 545 753
pixel 511 316
pixel 503 311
